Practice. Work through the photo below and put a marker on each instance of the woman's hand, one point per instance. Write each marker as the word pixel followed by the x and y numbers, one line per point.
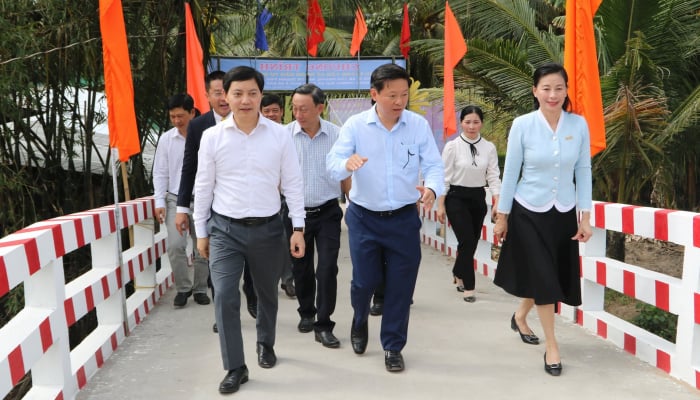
pixel 584 231
pixel 500 228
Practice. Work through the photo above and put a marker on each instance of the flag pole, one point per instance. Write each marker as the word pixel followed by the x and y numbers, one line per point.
pixel 118 235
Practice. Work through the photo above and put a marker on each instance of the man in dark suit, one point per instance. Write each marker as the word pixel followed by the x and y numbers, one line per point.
pixel 220 109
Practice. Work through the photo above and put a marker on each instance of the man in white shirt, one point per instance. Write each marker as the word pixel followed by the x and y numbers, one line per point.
pixel 166 181
pixel 243 164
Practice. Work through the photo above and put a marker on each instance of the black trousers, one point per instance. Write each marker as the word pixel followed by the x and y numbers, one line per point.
pixel 465 208
pixel 316 283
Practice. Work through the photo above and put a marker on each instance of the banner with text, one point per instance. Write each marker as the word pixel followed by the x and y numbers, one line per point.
pixel 286 74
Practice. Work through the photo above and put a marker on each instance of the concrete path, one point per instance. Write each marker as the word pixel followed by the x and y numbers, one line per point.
pixel 455 350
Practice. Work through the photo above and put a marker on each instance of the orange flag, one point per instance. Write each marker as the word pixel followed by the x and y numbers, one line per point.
pixel 358 32
pixel 119 87
pixel 581 64
pixel 405 33
pixel 455 49
pixel 194 65
pixel 315 26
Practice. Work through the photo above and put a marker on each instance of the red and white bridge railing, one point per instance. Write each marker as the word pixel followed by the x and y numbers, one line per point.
pixel 36 339
pixel 677 296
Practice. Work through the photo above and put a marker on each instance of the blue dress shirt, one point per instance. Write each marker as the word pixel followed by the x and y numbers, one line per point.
pixel 395 160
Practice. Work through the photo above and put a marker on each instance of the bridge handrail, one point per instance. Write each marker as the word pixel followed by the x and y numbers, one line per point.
pixel 677 296
pixel 36 339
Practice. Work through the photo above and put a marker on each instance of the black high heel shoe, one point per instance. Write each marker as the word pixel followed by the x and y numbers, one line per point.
pixel 527 338
pixel 552 369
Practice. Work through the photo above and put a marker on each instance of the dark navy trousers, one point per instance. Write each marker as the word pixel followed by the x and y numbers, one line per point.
pixel 375 238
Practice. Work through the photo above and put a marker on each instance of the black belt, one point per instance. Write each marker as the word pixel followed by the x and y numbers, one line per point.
pixel 250 221
pixel 390 213
pixel 311 211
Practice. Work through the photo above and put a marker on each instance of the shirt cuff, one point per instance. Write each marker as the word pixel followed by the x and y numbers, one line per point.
pixel 184 210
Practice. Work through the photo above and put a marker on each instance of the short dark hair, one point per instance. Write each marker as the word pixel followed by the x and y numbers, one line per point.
pixel 316 93
pixel 270 99
pixel 471 109
pixel 548 69
pixel 181 100
pixel 387 72
pixel 213 76
pixel 243 73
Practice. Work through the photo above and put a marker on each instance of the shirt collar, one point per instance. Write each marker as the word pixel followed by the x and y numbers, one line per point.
pixel 296 129
pixel 373 117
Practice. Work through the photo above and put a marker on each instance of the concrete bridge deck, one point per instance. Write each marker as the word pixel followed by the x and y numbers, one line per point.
pixel 455 350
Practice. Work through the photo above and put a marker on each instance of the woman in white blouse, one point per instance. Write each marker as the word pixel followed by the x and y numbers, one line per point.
pixel 470 163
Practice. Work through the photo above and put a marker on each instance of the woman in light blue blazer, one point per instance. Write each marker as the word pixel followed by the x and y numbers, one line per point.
pixel 544 209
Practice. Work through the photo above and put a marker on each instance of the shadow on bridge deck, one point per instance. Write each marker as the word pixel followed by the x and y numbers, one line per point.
pixel 454 350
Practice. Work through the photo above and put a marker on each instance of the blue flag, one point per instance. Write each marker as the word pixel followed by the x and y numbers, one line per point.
pixel 263 18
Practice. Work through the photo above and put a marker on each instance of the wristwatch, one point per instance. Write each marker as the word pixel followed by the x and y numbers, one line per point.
pixel 298 229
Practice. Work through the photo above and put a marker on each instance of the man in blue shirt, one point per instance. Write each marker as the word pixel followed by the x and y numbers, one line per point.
pixel 385 149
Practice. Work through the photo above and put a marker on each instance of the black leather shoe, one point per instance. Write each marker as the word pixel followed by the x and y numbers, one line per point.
pixel 253 310
pixel 376 309
pixel 266 356
pixel 552 369
pixel 393 360
pixel 358 338
pixel 214 328
pixel 327 339
pixel 529 338
pixel 288 287
pixel 470 299
pixel 460 288
pixel 201 299
pixel 306 324
pixel 181 298
pixel 233 380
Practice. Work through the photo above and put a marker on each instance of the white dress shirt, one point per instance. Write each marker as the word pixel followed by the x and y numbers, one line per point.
pixel 167 165
pixel 240 175
pixel 462 169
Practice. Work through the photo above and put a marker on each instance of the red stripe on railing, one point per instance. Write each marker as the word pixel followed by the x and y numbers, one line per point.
pixel 628 219
pixel 579 316
pixel 662 295
pixel 661 224
pixel 113 341
pixel 628 285
pixel 105 287
pixel 601 273
pixel 4 279
pixel 80 376
pixel 79 234
pixel 45 334
pixel 696 297
pixel 600 214
pixel 630 344
pixel 70 312
pixel 663 361
pixel 696 231
pixel 99 358
pixel 602 329
pixel 89 298
pixel 59 396
pixel 16 365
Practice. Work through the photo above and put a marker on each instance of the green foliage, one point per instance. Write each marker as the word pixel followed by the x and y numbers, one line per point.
pixel 656 321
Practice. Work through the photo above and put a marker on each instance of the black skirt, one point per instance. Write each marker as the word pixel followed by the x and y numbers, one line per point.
pixel 538 259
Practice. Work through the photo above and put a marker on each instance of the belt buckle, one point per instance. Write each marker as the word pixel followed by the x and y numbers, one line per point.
pixel 313 210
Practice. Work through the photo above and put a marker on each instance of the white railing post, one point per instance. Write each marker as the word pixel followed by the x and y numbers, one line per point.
pixel 687 357
pixel 593 294
pixel 143 238
pixel 104 256
pixel 46 290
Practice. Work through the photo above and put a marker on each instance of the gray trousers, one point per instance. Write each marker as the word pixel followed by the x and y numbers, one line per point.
pixel 177 253
pixel 231 246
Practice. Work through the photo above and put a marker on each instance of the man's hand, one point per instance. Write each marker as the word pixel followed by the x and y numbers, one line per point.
pixel 182 223
pixel 203 247
pixel 297 246
pixel 160 214
pixel 355 162
pixel 427 197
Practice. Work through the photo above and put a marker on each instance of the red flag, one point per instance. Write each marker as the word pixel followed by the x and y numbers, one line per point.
pixel 455 49
pixel 194 65
pixel 315 26
pixel 405 33
pixel 358 32
pixel 581 64
pixel 119 88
